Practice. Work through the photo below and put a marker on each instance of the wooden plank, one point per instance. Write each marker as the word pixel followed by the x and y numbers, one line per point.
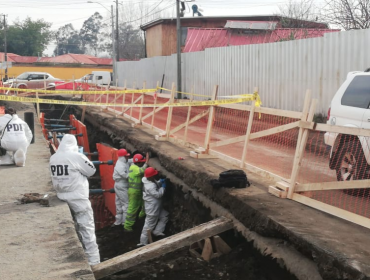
pixel 142 102
pixel 188 116
pixel 207 250
pixel 156 111
pixel 248 133
pixel 277 192
pixel 340 213
pixel 194 119
pixel 155 103
pixel 264 110
pixel 227 141
pixel 274 130
pixel 161 247
pixel 300 151
pixel 342 129
pixel 221 245
pixel 132 100
pixel 170 109
pixel 336 185
pixel 83 113
pixel 210 119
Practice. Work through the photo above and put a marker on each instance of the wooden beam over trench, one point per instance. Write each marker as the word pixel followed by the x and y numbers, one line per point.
pixel 162 247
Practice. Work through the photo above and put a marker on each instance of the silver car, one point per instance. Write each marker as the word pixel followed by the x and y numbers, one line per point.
pixel 32 80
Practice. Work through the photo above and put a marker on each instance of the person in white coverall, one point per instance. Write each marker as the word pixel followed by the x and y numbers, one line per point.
pixel 15 137
pixel 120 177
pixel 156 217
pixel 69 172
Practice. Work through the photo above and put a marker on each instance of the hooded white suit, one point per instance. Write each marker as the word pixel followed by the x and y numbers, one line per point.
pixel 156 217
pixel 120 177
pixel 16 138
pixel 69 172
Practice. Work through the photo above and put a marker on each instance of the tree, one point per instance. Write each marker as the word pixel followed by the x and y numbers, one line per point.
pixel 348 14
pixel 89 33
pixel 28 38
pixel 131 44
pixel 298 13
pixel 68 40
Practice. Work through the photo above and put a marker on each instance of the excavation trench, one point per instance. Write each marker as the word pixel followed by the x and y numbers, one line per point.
pixel 187 208
pixel 186 211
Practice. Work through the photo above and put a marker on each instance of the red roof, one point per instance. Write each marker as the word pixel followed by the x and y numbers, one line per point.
pixel 77 58
pixel 24 59
pixel 10 56
pixel 199 39
pixel 102 61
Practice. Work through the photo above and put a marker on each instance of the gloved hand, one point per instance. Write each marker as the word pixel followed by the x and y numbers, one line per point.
pixel 163 182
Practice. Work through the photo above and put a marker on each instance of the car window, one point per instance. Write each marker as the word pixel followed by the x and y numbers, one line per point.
pixel 99 77
pixel 23 76
pixel 357 93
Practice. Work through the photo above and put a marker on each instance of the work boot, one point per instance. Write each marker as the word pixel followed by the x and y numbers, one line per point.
pixel 128 229
pixel 20 158
pixel 6 159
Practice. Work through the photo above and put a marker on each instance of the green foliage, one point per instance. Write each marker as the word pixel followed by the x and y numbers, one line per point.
pixel 131 44
pixel 27 38
pixel 89 33
pixel 68 41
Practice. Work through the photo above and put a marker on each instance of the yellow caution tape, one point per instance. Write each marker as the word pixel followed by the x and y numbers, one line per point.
pixel 61 92
pixel 187 93
pixel 244 98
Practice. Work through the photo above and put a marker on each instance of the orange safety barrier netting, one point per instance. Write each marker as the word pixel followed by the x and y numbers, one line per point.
pixel 274 153
pixel 348 164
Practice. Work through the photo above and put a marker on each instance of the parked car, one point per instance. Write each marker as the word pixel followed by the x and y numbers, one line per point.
pixel 32 80
pixel 97 78
pixel 350 155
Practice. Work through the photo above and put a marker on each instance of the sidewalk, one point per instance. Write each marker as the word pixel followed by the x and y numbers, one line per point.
pixel 36 242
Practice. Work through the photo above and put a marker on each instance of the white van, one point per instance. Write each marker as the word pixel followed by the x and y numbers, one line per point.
pixel 97 78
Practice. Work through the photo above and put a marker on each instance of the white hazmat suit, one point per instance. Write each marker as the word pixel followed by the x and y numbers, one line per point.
pixel 120 177
pixel 16 137
pixel 69 172
pixel 156 217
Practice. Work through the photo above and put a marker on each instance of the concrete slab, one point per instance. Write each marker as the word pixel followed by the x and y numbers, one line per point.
pixel 36 242
pixel 338 249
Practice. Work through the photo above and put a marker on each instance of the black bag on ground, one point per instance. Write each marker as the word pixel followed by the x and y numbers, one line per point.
pixel 231 179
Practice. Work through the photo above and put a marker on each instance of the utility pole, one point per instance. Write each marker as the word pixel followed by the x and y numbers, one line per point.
pixel 117 33
pixel 113 46
pixel 5 50
pixel 178 29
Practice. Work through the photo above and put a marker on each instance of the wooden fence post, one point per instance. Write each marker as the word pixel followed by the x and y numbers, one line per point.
pixel 132 99
pixel 142 102
pixel 188 116
pixel 210 119
pixel 155 102
pixel 247 134
pixel 301 146
pixel 170 109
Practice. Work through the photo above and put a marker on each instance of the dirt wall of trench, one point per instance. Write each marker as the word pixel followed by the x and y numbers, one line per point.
pixel 259 216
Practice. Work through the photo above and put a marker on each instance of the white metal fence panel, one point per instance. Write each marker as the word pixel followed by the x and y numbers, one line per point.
pixel 282 71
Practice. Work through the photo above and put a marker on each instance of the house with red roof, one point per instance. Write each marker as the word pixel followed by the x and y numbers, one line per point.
pixel 199 33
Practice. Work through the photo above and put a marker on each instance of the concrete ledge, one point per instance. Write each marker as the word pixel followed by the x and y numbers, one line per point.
pixel 338 248
pixel 37 242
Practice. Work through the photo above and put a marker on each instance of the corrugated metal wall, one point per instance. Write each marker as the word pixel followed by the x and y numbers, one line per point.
pixel 282 71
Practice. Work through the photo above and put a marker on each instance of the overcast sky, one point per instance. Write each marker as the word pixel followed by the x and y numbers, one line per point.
pixel 61 12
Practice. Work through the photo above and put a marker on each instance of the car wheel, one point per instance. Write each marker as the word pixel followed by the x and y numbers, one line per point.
pixel 352 165
pixel 22 86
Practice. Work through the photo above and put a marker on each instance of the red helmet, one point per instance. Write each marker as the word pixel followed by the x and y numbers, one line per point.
pixel 138 158
pixel 123 153
pixel 150 172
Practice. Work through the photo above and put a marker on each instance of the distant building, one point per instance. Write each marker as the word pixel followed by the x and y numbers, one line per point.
pixel 198 33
